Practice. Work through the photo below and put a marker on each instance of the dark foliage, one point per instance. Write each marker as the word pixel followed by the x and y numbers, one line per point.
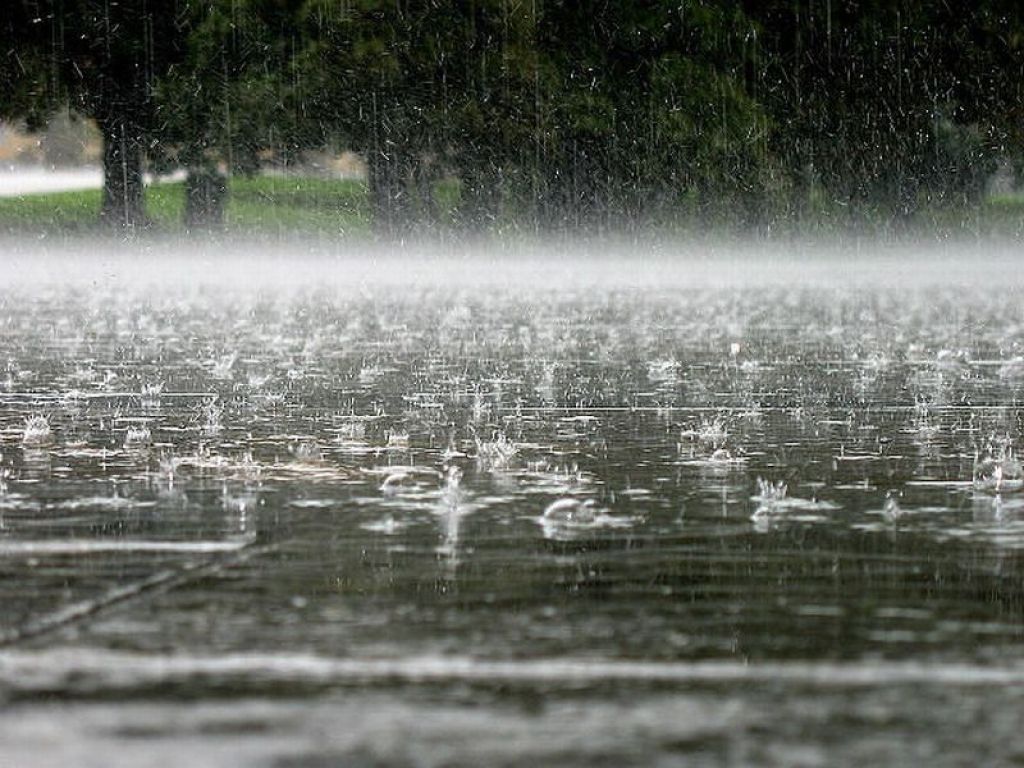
pixel 544 114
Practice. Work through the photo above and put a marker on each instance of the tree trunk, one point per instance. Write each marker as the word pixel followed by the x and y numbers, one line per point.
pixel 390 201
pixel 122 174
pixel 205 194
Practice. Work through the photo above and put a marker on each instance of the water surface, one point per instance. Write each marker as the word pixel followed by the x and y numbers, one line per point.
pixel 696 508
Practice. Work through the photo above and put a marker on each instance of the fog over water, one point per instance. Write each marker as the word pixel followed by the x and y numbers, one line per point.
pixel 719 503
pixel 553 265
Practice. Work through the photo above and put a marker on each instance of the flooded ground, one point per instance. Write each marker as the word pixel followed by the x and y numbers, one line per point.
pixel 692 509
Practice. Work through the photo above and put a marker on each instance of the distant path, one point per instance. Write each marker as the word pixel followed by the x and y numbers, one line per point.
pixel 15 182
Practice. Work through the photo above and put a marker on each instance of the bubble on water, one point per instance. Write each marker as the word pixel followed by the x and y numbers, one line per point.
pixel 571 511
pixel 570 517
pixel 410 479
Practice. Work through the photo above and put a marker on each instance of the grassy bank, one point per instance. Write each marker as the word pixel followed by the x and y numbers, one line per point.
pixel 289 205
pixel 259 205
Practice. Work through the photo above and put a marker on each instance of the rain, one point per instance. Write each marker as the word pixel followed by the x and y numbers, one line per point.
pixel 510 383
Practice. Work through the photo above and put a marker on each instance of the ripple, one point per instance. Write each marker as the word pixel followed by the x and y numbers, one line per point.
pixel 88 547
pixel 98 669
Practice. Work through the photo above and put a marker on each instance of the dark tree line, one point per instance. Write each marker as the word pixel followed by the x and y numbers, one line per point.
pixel 542 113
pixel 102 58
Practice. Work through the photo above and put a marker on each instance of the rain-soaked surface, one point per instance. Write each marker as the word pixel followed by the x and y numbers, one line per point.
pixel 398 511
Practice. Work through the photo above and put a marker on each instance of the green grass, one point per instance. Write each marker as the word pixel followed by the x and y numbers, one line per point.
pixel 52 212
pixel 294 205
pixel 298 204
pixel 258 205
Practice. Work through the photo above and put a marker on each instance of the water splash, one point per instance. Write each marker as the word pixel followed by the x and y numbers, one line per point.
pixel 891 510
pixel 998 469
pixel 37 432
pixel 150 394
pixel 212 413
pixel 222 367
pixel 138 437
pixel 496 453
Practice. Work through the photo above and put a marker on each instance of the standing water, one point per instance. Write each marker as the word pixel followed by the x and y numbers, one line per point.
pixel 699 510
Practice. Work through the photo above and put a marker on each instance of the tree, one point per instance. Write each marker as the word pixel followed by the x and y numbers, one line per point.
pixel 644 111
pixel 372 73
pixel 888 106
pixel 566 114
pixel 548 113
pixel 230 100
pixel 103 58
